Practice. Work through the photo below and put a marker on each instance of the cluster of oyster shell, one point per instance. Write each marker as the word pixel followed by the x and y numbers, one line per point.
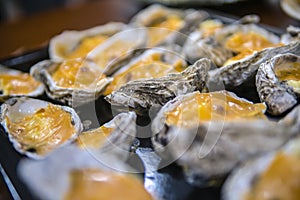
pixel 219 93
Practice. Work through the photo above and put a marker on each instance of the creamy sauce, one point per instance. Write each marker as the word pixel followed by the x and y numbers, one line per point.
pixel 92 184
pixel 158 32
pixel 280 181
pixel 149 67
pixel 18 84
pixel 42 131
pixel 245 44
pixel 75 74
pixel 84 47
pixel 94 138
pixel 213 106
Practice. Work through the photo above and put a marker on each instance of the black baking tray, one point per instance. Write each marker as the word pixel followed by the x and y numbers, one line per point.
pixel 168 182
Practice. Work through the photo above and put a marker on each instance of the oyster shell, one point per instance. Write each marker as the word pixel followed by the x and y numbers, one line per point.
pixel 167 25
pixel 77 44
pixel 271 176
pixel 224 131
pixel 17 83
pixel 278 82
pixel 70 171
pixel 153 63
pixel 292 35
pixel 143 94
pixel 37 127
pixel 73 82
pixel 243 71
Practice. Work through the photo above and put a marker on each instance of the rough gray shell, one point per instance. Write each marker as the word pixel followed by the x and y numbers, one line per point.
pixel 292 35
pixel 278 95
pixel 145 93
pixel 43 71
pixel 21 107
pixel 235 74
pixel 210 150
pixel 243 178
pixel 70 39
pixel 38 91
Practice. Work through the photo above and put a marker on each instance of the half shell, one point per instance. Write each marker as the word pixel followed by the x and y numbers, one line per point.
pixel 17 83
pixel 208 149
pixel 73 82
pixel 37 127
pixel 143 94
pixel 77 44
pixel 278 82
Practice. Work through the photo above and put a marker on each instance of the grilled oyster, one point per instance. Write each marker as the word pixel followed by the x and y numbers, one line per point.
pixel 142 94
pixel 37 127
pixel 77 44
pixel 17 83
pixel 210 133
pixel 71 172
pixel 271 176
pixel 153 63
pixel 292 35
pixel 73 82
pixel 278 82
pixel 164 24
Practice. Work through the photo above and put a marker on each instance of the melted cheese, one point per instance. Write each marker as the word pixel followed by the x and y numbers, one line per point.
pixel 158 32
pixel 42 131
pixel 92 184
pixel 74 74
pixel 289 72
pixel 94 138
pixel 245 44
pixel 213 106
pixel 149 67
pixel 17 84
pixel 279 181
pixel 83 48
pixel 209 27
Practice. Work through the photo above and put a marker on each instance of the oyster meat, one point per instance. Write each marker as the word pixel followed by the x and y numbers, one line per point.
pixel 37 127
pixel 278 82
pixel 77 44
pixel 72 81
pixel 17 83
pixel 166 25
pixel 153 63
pixel 145 93
pixel 224 131
pixel 271 176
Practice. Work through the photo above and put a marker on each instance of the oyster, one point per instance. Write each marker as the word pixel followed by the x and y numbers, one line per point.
pixel 291 7
pixel 164 24
pixel 278 82
pixel 208 134
pixel 153 63
pixel 244 71
pixel 145 93
pixel 73 82
pixel 17 83
pixel 37 127
pixel 271 176
pixel 73 173
pixel 77 44
pixel 292 35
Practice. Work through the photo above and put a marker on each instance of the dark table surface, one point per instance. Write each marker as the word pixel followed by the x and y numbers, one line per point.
pixel 33 32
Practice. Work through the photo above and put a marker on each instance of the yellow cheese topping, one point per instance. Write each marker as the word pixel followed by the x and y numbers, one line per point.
pixel 113 52
pixel 290 74
pixel 279 181
pixel 18 84
pixel 158 32
pixel 246 44
pixel 75 74
pixel 213 106
pixel 94 184
pixel 42 131
pixel 94 138
pixel 84 47
pixel 209 27
pixel 149 67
